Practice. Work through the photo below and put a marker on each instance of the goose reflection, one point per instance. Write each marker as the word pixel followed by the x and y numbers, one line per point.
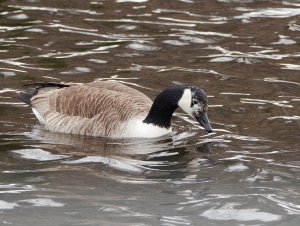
pixel 171 158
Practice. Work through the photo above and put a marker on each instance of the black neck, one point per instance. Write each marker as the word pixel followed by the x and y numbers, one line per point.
pixel 164 106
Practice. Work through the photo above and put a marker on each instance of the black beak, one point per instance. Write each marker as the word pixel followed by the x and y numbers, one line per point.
pixel 203 120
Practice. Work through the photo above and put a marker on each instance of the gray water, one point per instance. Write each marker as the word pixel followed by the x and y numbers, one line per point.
pixel 243 53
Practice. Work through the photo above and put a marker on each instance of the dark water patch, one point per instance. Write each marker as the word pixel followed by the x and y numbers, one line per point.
pixel 52 62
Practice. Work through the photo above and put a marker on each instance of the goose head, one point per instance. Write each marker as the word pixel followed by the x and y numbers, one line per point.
pixel 190 99
pixel 194 102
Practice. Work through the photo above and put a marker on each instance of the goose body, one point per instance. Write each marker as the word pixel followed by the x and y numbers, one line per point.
pixel 107 108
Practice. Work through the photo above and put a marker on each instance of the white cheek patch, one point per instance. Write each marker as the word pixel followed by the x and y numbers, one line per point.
pixel 196 108
pixel 185 101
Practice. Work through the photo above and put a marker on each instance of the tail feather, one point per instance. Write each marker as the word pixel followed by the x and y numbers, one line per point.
pixel 26 96
pixel 33 89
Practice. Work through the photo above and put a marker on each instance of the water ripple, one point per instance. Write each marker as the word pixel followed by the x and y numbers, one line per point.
pixel 285 117
pixel 142 22
pixel 227 55
pixel 280 103
pixel 204 33
pixel 280 81
pixel 15 188
pixel 7 205
pixel 191 21
pixel 51 9
pixel 60 55
pixel 230 211
pixel 269 13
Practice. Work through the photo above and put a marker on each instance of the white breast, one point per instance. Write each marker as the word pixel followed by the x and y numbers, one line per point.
pixel 137 128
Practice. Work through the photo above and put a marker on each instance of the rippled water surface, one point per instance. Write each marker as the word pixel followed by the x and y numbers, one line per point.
pixel 243 53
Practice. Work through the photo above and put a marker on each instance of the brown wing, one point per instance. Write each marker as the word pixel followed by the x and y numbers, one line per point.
pixel 116 86
pixel 99 108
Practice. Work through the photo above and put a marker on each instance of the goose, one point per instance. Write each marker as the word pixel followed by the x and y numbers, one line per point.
pixel 112 109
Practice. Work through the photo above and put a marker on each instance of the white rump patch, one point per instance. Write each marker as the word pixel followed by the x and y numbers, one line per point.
pixel 186 101
pixel 38 116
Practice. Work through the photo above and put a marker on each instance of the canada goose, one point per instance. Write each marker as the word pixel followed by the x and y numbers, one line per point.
pixel 111 109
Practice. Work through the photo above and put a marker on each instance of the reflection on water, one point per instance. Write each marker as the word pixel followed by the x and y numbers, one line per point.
pixel 243 53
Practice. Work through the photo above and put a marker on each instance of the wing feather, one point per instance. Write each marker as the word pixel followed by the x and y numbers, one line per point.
pixel 98 109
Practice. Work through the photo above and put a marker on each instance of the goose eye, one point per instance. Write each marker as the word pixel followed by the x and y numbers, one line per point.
pixel 195 101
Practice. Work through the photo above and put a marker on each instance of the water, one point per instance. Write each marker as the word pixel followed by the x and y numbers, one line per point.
pixel 243 53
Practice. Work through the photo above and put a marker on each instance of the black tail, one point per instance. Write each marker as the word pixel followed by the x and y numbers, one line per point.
pixel 33 88
pixel 39 85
